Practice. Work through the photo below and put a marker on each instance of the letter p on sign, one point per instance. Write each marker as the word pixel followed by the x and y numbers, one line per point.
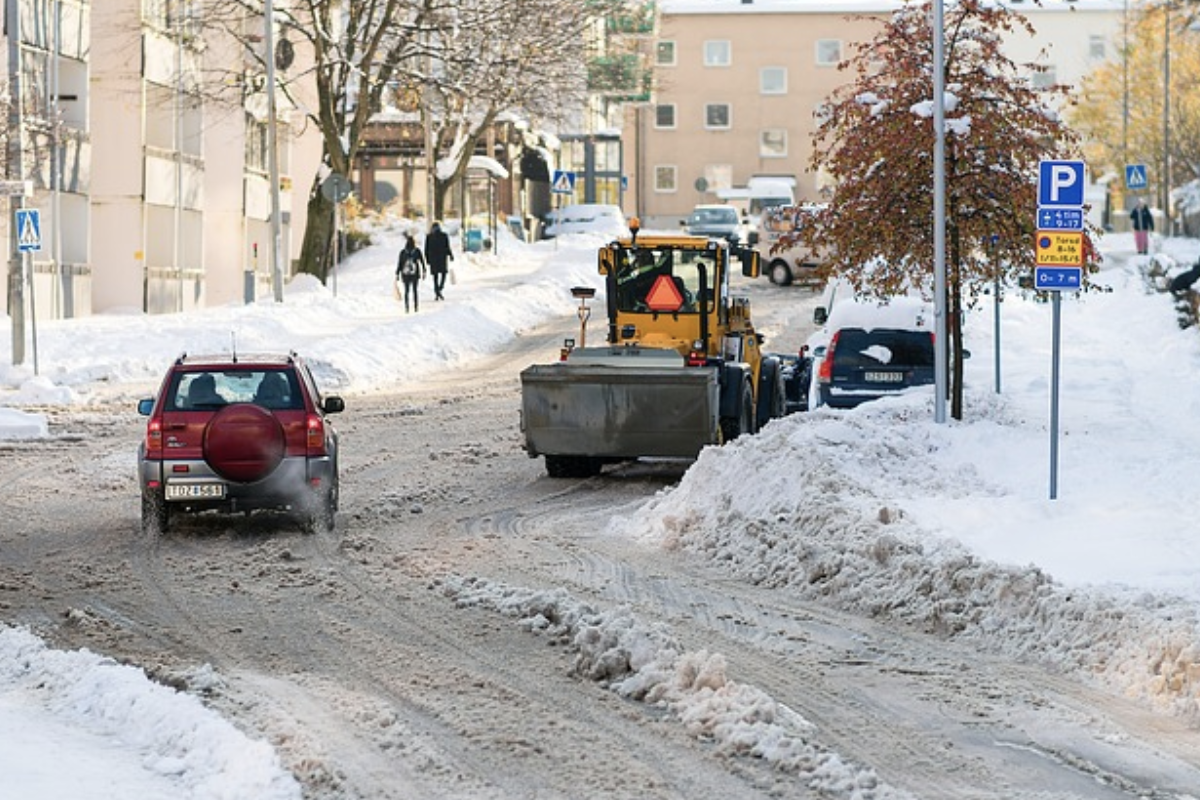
pixel 1060 183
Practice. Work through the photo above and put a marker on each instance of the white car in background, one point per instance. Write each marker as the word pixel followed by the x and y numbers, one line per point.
pixel 597 218
pixel 787 265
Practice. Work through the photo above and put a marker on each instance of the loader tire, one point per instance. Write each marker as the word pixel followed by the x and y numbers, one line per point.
pixel 733 427
pixel 772 393
pixel 572 466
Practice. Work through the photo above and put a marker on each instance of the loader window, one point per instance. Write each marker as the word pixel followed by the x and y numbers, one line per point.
pixel 641 267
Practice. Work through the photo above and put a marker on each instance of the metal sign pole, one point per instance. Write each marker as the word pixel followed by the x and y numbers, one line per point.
pixel 1056 339
pixel 28 265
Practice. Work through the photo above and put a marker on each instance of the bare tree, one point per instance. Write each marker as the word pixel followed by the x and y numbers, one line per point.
pixel 467 61
pixel 520 55
pixel 877 143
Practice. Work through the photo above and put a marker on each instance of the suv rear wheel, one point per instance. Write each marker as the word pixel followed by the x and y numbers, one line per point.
pixel 156 514
pixel 320 510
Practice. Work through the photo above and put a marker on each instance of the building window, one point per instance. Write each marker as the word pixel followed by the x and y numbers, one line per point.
pixel 772 80
pixel 772 143
pixel 717 116
pixel 829 52
pixel 666 178
pixel 1045 78
pixel 256 143
pixel 664 54
pixel 718 53
pixel 664 115
pixel 168 15
pixel 1097 48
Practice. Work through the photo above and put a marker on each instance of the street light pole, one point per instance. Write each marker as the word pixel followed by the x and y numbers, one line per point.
pixel 1166 174
pixel 941 352
pixel 273 154
pixel 16 261
pixel 1125 87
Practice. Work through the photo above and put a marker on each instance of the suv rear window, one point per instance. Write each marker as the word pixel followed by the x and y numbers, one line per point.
pixel 210 389
pixel 883 347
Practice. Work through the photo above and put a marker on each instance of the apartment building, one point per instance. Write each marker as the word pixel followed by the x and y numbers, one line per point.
pixel 49 151
pixel 145 137
pixel 739 85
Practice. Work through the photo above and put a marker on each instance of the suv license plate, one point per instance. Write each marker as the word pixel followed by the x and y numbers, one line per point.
pixel 193 491
pixel 883 377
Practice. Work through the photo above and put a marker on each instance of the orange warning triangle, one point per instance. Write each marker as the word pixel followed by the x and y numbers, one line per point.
pixel 664 295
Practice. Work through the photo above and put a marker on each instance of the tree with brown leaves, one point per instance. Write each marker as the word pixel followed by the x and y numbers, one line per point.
pixel 876 142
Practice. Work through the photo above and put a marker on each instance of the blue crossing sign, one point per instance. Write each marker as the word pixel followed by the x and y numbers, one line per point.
pixel 1060 183
pixel 562 182
pixel 29 230
pixel 1135 176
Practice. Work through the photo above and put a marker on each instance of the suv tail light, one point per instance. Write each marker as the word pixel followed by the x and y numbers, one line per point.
pixel 314 428
pixel 825 372
pixel 154 438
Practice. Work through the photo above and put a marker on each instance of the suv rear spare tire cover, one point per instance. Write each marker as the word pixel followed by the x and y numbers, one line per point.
pixel 243 442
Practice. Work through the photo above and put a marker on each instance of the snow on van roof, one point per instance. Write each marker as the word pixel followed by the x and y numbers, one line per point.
pixel 897 313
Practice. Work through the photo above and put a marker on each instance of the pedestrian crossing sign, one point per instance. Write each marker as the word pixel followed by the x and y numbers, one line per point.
pixel 29 230
pixel 1135 176
pixel 563 182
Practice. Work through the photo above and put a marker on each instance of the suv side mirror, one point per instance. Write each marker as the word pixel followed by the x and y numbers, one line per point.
pixel 145 406
pixel 820 315
pixel 333 404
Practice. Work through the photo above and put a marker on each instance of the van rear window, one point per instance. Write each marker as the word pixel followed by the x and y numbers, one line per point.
pixel 884 347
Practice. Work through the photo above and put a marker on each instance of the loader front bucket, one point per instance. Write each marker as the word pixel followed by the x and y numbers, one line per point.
pixel 612 412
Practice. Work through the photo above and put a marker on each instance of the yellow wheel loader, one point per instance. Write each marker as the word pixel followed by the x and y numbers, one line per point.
pixel 681 368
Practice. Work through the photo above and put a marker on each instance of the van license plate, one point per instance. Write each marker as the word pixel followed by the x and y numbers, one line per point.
pixel 195 491
pixel 883 377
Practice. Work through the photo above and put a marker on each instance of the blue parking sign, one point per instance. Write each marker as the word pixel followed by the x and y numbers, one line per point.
pixel 1060 183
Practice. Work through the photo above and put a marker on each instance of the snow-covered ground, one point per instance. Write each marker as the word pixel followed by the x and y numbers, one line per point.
pixel 948 525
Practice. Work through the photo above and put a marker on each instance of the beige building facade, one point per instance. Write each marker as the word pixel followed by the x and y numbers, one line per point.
pixel 739 85
pixel 152 187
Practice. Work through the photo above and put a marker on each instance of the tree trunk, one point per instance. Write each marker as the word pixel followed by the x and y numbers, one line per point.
pixel 954 323
pixel 316 254
pixel 956 342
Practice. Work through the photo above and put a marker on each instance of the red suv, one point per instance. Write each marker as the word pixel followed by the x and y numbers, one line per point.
pixel 237 433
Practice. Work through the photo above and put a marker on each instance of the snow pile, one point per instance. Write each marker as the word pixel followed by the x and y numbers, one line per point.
pixel 853 536
pixel 196 752
pixel 643 662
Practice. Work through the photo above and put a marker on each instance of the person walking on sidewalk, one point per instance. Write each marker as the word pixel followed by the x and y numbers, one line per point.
pixel 1143 223
pixel 437 252
pixel 410 268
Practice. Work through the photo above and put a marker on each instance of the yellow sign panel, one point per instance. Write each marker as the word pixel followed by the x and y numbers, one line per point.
pixel 1059 249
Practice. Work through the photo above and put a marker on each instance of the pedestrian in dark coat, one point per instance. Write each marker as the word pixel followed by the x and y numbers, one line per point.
pixel 1143 223
pixel 437 253
pixel 410 268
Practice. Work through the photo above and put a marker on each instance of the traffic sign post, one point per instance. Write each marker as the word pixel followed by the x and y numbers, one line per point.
pixel 1058 264
pixel 29 239
pixel 561 182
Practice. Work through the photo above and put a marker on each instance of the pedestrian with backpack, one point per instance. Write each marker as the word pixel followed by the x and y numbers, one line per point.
pixel 410 268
